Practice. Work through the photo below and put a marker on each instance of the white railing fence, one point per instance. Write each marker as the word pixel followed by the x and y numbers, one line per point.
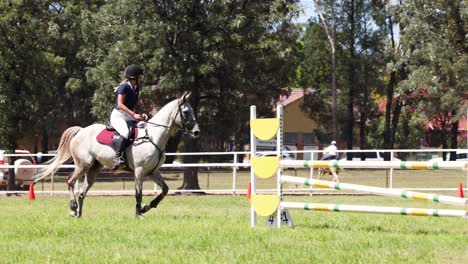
pixel 231 175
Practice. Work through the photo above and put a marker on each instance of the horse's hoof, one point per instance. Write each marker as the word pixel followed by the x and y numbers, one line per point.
pixel 139 216
pixel 145 209
pixel 72 214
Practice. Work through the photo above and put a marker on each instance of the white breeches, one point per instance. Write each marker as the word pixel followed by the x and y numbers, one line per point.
pixel 118 120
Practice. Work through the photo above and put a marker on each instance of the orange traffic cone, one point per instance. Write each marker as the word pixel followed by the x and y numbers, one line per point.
pixel 249 190
pixel 460 190
pixel 32 196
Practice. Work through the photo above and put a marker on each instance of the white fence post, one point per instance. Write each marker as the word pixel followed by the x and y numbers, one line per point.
pixel 234 174
pixel 311 174
pixel 391 171
pixel 52 183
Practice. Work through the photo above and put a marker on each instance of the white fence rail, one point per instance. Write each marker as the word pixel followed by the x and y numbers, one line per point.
pixel 238 169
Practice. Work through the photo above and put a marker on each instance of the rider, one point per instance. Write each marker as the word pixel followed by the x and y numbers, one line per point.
pixel 330 151
pixel 123 112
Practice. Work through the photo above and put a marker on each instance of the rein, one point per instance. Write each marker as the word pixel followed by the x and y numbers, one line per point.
pixel 155 124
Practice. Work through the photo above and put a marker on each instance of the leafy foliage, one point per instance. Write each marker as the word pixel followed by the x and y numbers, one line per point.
pixel 434 50
pixel 227 53
pixel 61 59
pixel 29 69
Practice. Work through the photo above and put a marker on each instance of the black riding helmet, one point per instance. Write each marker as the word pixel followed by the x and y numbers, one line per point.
pixel 133 71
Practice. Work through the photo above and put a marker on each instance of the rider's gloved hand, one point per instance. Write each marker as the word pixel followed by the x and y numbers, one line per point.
pixel 138 117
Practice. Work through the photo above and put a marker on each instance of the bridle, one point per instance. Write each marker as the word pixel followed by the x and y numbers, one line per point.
pixel 186 123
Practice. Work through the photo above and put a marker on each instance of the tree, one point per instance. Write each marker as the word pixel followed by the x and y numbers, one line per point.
pixel 435 51
pixel 356 50
pixel 28 69
pixel 313 73
pixel 330 13
pixel 226 53
pixel 362 45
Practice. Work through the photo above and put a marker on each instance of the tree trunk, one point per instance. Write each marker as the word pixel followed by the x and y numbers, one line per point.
pixel 331 35
pixel 406 131
pixel 352 83
pixel 443 137
pixel 454 137
pixel 11 184
pixel 395 120
pixel 334 93
pixel 364 110
pixel 387 136
pixel 190 173
pixel 392 117
pixel 172 145
pixel 45 141
pixel 191 145
pixel 388 143
pixel 350 116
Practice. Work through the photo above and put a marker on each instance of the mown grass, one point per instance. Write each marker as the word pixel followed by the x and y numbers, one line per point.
pixel 215 229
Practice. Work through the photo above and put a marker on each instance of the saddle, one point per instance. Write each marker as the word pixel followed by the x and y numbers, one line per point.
pixel 108 136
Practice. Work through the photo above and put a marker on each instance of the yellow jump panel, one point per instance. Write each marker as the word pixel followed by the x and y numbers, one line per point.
pixel 265 167
pixel 265 128
pixel 265 205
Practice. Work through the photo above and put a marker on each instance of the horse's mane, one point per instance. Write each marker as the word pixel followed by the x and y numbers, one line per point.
pixel 164 111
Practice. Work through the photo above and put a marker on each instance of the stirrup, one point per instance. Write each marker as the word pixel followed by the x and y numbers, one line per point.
pixel 118 162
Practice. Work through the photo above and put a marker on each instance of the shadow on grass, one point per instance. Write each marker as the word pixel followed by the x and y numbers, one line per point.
pixel 381 229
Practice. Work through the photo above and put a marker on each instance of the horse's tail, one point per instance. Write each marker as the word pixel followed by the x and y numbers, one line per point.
pixel 63 154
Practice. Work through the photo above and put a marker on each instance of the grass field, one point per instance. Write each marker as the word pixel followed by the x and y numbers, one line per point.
pixel 215 229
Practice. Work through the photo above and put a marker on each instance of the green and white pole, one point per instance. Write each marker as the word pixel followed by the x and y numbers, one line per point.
pixel 379 191
pixel 402 165
pixel 374 209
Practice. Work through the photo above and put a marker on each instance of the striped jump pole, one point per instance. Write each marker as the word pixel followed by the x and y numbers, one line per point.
pixel 379 191
pixel 403 165
pixel 375 209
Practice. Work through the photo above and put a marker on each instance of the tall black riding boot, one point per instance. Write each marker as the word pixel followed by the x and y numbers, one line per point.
pixel 120 153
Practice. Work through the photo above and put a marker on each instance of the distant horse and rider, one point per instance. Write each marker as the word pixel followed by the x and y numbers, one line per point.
pixel 143 157
pixel 329 154
pixel 329 171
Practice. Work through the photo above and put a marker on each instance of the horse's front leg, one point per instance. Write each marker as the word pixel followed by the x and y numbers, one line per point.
pixel 138 191
pixel 158 179
pixel 335 175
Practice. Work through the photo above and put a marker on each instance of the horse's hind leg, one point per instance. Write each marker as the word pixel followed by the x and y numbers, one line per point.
pixel 158 179
pixel 77 174
pixel 89 180
pixel 320 173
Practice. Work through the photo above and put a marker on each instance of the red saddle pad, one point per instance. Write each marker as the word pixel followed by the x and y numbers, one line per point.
pixel 105 136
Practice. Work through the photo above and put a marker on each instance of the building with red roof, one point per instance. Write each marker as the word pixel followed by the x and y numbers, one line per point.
pixel 298 127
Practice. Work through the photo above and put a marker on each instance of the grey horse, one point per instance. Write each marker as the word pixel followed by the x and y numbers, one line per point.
pixel 331 171
pixel 144 157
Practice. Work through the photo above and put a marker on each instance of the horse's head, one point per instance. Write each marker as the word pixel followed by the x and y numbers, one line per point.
pixel 185 118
